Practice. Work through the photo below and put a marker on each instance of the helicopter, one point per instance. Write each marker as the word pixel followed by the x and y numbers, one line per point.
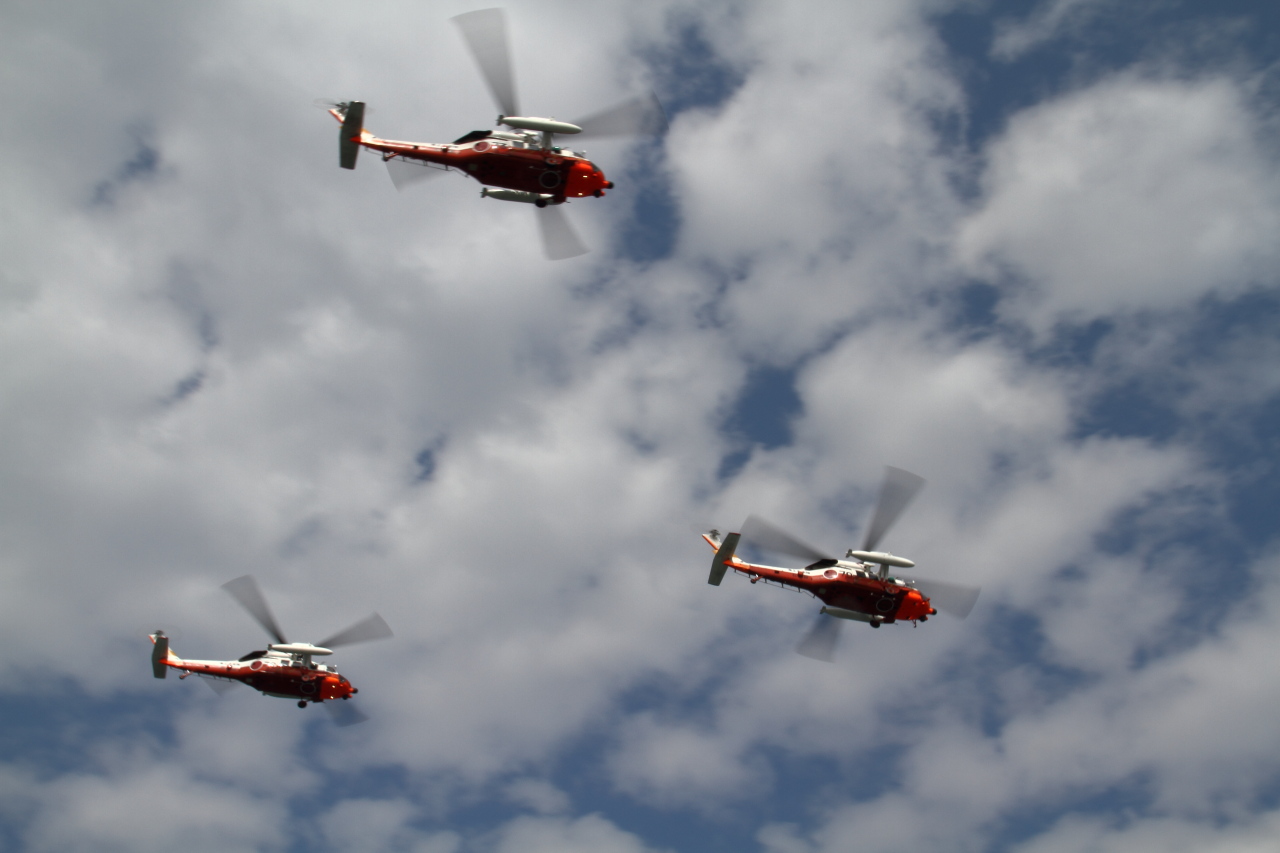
pixel 522 163
pixel 856 588
pixel 282 669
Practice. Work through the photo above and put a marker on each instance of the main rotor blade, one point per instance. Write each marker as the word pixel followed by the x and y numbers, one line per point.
pixel 221 686
pixel 344 712
pixel 245 590
pixel 898 490
pixel 372 627
pixel 559 239
pixel 639 115
pixel 485 32
pixel 405 173
pixel 772 538
pixel 948 597
pixel 820 642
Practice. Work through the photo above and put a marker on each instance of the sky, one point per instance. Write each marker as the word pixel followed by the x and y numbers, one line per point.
pixel 1025 250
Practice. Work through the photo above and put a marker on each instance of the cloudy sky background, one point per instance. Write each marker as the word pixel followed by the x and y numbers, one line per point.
pixel 1026 250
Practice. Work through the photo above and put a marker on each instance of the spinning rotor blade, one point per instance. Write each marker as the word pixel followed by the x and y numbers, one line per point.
pixel 820 642
pixel 372 627
pixel 639 115
pixel 485 32
pixel 405 173
pixel 344 712
pixel 559 239
pixel 245 590
pixel 330 104
pixel 760 532
pixel 899 489
pixel 221 686
pixel 948 597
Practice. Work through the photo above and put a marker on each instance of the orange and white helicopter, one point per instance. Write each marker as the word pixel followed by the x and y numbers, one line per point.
pixel 852 588
pixel 522 164
pixel 282 669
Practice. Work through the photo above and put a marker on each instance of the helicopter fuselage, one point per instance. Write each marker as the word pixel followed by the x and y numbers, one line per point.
pixel 272 673
pixel 843 584
pixel 497 161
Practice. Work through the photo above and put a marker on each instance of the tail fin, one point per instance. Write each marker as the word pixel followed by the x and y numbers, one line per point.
pixel 160 653
pixel 720 563
pixel 349 135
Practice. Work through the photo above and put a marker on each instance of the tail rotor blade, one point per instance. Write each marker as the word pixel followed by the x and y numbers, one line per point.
pixel 948 597
pixel 559 239
pixel 820 642
pixel 639 115
pixel 899 489
pixel 485 32
pixel 406 173
pixel 344 712
pixel 327 104
pixel 773 538
pixel 245 590
pixel 372 627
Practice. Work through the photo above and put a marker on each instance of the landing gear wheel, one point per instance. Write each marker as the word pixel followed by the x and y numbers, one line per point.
pixel 302 703
pixel 875 624
pixel 542 202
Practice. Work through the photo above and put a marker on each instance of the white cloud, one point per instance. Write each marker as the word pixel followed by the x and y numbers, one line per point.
pixel 373 825
pixel 1132 194
pixel 329 331
pixel 539 795
pixel 590 834
pixel 677 764
pixel 1254 835
pixel 144 809
pixel 1013 39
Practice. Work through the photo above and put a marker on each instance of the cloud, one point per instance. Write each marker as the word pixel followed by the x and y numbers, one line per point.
pixel 590 834
pixel 145 808
pixel 1013 39
pixel 538 795
pixel 238 364
pixel 375 825
pixel 1171 834
pixel 1133 194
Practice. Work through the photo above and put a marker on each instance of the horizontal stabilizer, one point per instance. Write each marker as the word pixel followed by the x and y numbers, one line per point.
pixel 720 563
